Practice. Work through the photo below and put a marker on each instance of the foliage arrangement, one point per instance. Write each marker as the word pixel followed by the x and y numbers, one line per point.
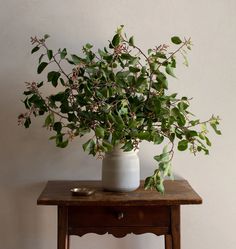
pixel 118 95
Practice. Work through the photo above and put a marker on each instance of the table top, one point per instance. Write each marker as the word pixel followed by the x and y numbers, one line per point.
pixel 177 192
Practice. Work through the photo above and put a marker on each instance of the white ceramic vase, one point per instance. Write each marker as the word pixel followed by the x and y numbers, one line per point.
pixel 121 170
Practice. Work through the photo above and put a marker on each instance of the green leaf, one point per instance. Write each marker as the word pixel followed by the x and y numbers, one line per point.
pixel 163 80
pixel 150 50
pixel 63 53
pixel 191 133
pixel 27 92
pixel 41 57
pixel 182 145
pixel 170 70
pixel 27 122
pixel 58 97
pixel 99 131
pixel 162 157
pixel 53 77
pixel 176 40
pixel 72 117
pixel 160 187
pixel 179 133
pixel 50 54
pixel 88 46
pixel 49 120
pixel 183 106
pixel 134 61
pixel 131 41
pixel 108 58
pixel 119 121
pixel 194 122
pixel 111 118
pixel 41 67
pixel 134 69
pixel 160 55
pixel 116 40
pixel 89 146
pixel 165 149
pixel 63 144
pixel 143 70
pixel 123 111
pixel 35 49
pixel 156 138
pixel 59 140
pixel 62 81
pixel 119 29
pixel 46 36
pixel 26 103
pixel 75 59
pixel 153 66
pixel 148 183
pixel 173 62
pixel 52 137
pixel 167 170
pixel 185 60
pixel 214 127
pixel 126 56
pixel 208 142
pixel 179 117
pixel 107 145
pixel 70 61
pixel 57 127
pixel 141 80
pixel 144 135
pixel 128 146
pixel 133 124
pixel 157 105
pixel 40 84
pixel 102 53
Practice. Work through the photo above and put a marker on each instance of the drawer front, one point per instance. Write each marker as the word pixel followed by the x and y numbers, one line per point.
pixel 118 216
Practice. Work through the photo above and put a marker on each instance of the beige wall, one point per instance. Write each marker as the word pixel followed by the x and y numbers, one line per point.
pixel 28 159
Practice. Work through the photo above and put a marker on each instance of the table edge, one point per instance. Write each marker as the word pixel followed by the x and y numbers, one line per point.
pixel 47 202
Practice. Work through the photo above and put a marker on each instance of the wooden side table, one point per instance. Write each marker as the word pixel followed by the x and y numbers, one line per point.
pixel 135 212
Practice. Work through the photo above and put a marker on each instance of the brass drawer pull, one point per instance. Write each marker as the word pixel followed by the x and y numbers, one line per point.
pixel 120 215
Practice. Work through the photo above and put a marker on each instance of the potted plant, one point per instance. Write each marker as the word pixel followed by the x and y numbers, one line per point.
pixel 119 95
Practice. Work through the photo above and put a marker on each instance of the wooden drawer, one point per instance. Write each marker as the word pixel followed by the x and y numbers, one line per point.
pixel 87 216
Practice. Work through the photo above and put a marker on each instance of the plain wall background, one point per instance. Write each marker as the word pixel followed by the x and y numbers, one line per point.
pixel 29 159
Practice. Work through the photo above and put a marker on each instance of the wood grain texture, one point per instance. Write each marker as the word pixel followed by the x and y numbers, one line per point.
pixel 177 192
pixel 155 216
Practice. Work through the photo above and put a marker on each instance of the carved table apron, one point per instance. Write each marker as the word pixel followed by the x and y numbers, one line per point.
pixel 119 214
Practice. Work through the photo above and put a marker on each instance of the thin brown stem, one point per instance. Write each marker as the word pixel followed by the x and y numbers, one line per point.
pixel 58 63
pixel 175 52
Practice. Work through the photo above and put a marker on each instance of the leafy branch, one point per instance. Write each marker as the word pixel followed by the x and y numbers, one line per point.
pixel 118 95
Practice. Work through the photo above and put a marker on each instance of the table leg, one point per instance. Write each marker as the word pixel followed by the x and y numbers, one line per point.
pixel 168 241
pixel 175 227
pixel 172 241
pixel 62 228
